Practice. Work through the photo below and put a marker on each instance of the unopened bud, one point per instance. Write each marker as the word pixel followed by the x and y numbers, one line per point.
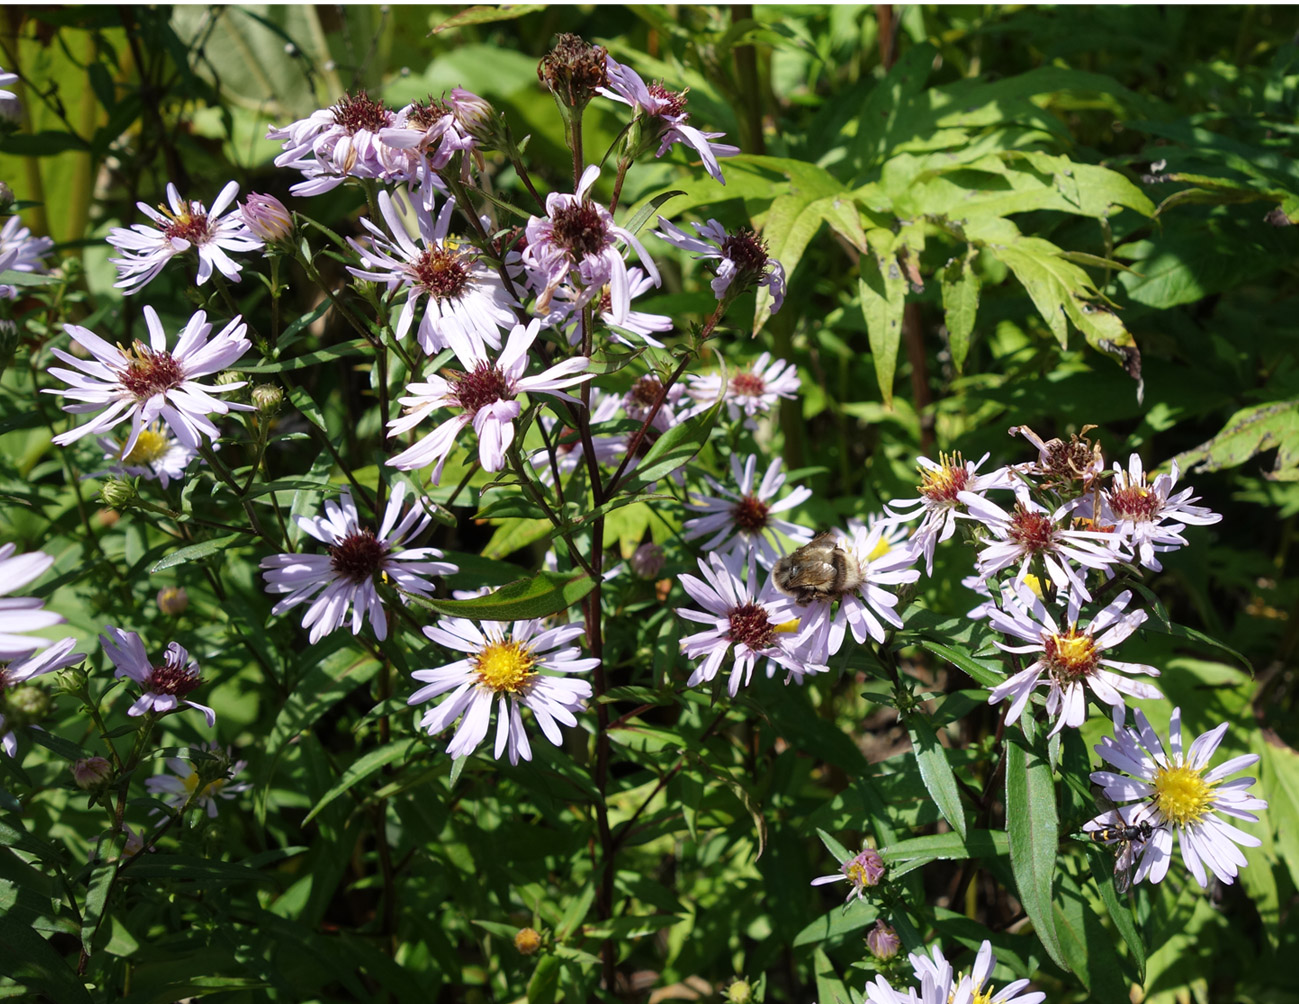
pixel 739 992
pixel 527 941
pixel 173 600
pixel 476 115
pixel 25 705
pixel 267 398
pixel 118 493
pixel 91 772
pixel 267 217
pixel 883 941
pixel 647 561
pixel 572 71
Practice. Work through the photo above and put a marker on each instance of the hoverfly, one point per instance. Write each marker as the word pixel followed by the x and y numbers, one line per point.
pixel 1115 831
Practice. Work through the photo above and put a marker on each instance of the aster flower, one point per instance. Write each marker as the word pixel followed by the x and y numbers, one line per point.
pixel 147 382
pixel 1071 659
pixel 21 252
pixel 971 987
pixel 486 393
pixel 861 871
pixel 21 705
pixel 938 503
pixel 751 392
pixel 343 579
pixel 462 292
pixel 1178 795
pixel 746 624
pixel 1148 516
pixel 576 243
pixel 147 248
pixel 7 78
pixel 435 129
pixel 266 217
pixel 565 314
pixel 177 788
pixel 21 614
pixel 741 257
pixel 157 455
pixel 747 513
pixel 1029 531
pixel 512 665
pixel 667 109
pixel 932 991
pixel 165 685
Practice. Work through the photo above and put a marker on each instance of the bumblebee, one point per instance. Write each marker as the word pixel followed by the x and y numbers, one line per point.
pixel 819 570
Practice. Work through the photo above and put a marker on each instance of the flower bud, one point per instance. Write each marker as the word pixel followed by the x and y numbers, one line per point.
pixel 267 398
pixel 739 992
pixel 118 493
pixel 647 561
pixel 173 600
pixel 267 217
pixel 883 941
pixel 91 772
pixel 476 115
pixel 527 941
pixel 25 705
pixel 865 870
pixel 572 71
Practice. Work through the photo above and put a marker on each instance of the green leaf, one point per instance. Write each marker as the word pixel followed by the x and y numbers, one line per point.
pixel 480 14
pixel 330 353
pixel 946 847
pixel 368 764
pixel 841 853
pixel 675 448
pixel 28 960
pixel 980 670
pixel 960 288
pixel 97 890
pixel 1101 862
pixel 544 594
pixel 196 551
pixel 1249 432
pixel 1032 829
pixel 648 209
pixel 937 772
pixel 859 913
pixel 882 290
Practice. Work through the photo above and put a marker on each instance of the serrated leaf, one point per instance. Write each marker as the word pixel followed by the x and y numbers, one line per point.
pixel 544 594
pixel 936 772
pixel 960 288
pixel 195 552
pixel 1033 833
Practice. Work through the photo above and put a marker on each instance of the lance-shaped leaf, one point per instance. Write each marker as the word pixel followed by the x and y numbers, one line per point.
pixel 541 595
pixel 936 772
pixel 1033 830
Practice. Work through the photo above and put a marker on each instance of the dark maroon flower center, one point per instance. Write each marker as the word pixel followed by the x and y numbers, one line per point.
pixel 1032 531
pixel 579 229
pixel 485 385
pixel 357 112
pixel 426 113
pixel 1136 504
pixel 148 372
pixel 674 102
pixel 748 384
pixel 573 69
pixel 190 227
pixel 172 678
pixel 750 514
pixel 358 557
pixel 748 252
pixel 750 626
pixel 441 272
pixel 511 240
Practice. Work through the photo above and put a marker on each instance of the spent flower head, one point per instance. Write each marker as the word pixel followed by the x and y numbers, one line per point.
pixel 741 258
pixel 573 71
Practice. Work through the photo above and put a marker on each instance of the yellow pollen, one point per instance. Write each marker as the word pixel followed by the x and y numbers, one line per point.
pixel 881 549
pixel 1074 651
pixel 1035 584
pixel 149 446
pixel 789 627
pixel 209 791
pixel 505 666
pixel 1183 795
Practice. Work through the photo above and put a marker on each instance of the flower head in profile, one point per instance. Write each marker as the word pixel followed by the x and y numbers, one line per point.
pixel 510 665
pixel 21 252
pixel 438 130
pixel 746 513
pixel 752 391
pixel 177 228
pixel 157 455
pixel 485 394
pixel 940 984
pixel 149 382
pixel 342 581
pixel 459 290
pixel 266 217
pixel 1177 794
pixel 565 313
pixel 22 705
pixel 164 685
pixel 1072 659
pixel 21 614
pixel 1148 516
pixel 742 262
pixel 862 871
pixel 667 111
pixel 182 786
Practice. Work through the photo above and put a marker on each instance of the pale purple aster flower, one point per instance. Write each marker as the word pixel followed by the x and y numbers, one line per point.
pixel 576 243
pixel 668 108
pixel 176 788
pixel 461 291
pixel 752 391
pixel 564 314
pixel 434 129
pixel 1148 516
pixel 939 503
pixel 16 673
pixel 745 624
pixel 512 665
pixel 1071 659
pixel 741 257
pixel 1029 531
pixel 7 78
pixel 148 382
pixel 972 987
pixel 861 872
pixel 21 252
pixel 1181 796
pixel 486 393
pixel 21 614
pixel 747 512
pixel 164 685
pixel 156 456
pixel 343 579
pixel 932 991
pixel 147 248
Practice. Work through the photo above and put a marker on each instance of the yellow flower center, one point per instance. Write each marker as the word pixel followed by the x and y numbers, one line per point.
pixel 880 549
pixel 209 790
pixel 1182 794
pixel 505 666
pixel 148 447
pixel 1071 654
pixel 789 627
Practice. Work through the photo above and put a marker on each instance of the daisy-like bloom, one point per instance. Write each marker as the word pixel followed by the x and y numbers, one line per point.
pixel 21 252
pixel 462 292
pixel 343 579
pixel 164 685
pixel 1029 531
pixel 932 991
pixel 938 503
pixel 1180 796
pixel 486 393
pixel 1148 516
pixel 148 382
pixel 971 987
pixel 20 704
pixel 147 248
pixel 21 614
pixel 513 665
pixel 752 391
pixel 747 513
pixel 435 129
pixel 668 110
pixel 745 624
pixel 1071 659
pixel 861 871
pixel 177 788
pixel 637 322
pixel 157 455
pixel 576 243
pixel 741 257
